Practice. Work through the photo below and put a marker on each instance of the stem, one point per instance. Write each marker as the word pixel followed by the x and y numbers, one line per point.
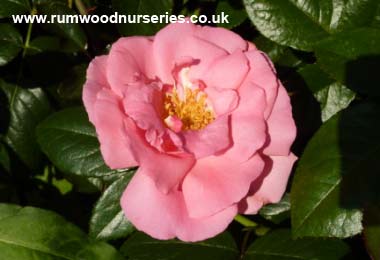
pixel 244 243
pixel 28 34
pixel 81 7
pixel 245 221
pixel 70 4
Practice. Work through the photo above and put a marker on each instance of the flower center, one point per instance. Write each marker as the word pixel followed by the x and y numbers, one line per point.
pixel 191 112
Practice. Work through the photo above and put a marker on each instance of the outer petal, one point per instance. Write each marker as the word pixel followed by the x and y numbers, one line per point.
pixel 210 140
pixel 164 216
pixel 216 183
pixel 262 74
pixel 177 42
pixel 130 60
pixel 270 187
pixel 96 81
pixel 221 37
pixel 166 170
pixel 115 143
pixel 227 72
pixel 248 126
pixel 281 126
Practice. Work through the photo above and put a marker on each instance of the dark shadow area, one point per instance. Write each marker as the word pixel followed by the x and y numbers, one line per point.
pixel 359 137
pixel 306 109
pixel 4 112
pixel 362 75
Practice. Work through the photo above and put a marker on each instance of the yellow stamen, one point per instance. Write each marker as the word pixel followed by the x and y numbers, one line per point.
pixel 192 109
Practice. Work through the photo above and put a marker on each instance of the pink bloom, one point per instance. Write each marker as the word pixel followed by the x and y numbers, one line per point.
pixel 203 115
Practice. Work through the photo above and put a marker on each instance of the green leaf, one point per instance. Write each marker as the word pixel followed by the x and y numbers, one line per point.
pixel 32 233
pixel 277 212
pixel 4 158
pixel 274 50
pixel 13 7
pixel 141 246
pixel 42 44
pixel 69 140
pixel 235 11
pixel 353 59
pixel 332 96
pixel 71 87
pixel 70 31
pixel 326 192
pixel 27 108
pixel 141 7
pixel 108 221
pixel 10 43
pixel 300 24
pixel 280 245
pixel 372 232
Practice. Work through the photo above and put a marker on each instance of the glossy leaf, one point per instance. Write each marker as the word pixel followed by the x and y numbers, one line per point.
pixel 27 108
pixel 10 43
pixel 372 231
pixel 353 58
pixel 300 24
pixel 235 11
pixel 32 233
pixel 332 96
pixel 280 245
pixel 71 31
pixel 326 194
pixel 13 7
pixel 141 246
pixel 277 212
pixel 108 221
pixel 141 7
pixel 70 142
pixel 4 158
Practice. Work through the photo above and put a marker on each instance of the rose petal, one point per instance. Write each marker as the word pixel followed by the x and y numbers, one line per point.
pixel 223 38
pixel 281 127
pixel 262 74
pixel 130 60
pixel 227 72
pixel 270 187
pixel 224 101
pixel 215 183
pixel 96 81
pixel 164 216
pixel 248 126
pixel 143 103
pixel 209 140
pixel 166 170
pixel 115 144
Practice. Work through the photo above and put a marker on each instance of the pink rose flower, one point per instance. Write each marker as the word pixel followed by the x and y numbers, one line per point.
pixel 203 115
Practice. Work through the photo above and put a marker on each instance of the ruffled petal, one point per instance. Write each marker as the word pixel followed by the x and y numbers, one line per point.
pixel 281 127
pixel 166 170
pixel 262 74
pixel 223 101
pixel 271 185
pixel 227 72
pixel 248 126
pixel 115 143
pixel 222 37
pixel 96 81
pixel 143 103
pixel 208 141
pixel 215 183
pixel 164 216
pixel 129 61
